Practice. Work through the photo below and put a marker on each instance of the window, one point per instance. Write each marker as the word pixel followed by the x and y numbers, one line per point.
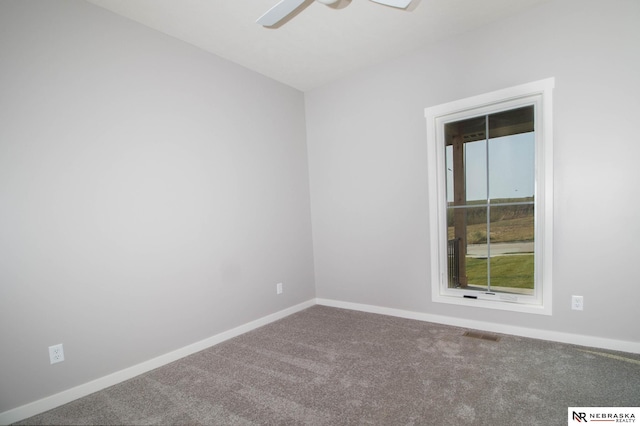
pixel 491 199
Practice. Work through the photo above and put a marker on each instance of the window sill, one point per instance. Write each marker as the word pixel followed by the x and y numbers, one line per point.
pixel 515 303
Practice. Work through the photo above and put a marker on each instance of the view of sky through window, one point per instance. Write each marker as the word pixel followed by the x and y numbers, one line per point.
pixel 511 168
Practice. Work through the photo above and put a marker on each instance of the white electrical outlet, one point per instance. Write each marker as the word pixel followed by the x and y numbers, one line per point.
pixel 279 288
pixel 577 303
pixel 56 353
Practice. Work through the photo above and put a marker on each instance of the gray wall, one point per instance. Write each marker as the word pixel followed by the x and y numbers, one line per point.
pixel 366 138
pixel 151 195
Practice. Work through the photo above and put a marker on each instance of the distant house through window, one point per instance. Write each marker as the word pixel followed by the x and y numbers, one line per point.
pixel 491 199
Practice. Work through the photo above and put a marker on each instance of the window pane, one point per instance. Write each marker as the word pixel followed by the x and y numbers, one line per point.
pixel 511 249
pixel 467 247
pixel 475 156
pixel 512 274
pixel 455 247
pixel 511 122
pixel 511 154
pixel 512 167
pixel 448 153
pixel 512 224
pixel 466 160
pixel 477 273
pixel 477 249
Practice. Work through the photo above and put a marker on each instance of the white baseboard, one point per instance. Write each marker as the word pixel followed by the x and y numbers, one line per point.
pixel 554 336
pixel 53 401
pixel 85 389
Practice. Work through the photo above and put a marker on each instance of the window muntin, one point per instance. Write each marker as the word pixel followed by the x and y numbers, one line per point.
pixel 490 183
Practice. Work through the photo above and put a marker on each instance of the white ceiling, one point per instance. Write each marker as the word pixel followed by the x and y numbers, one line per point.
pixel 320 43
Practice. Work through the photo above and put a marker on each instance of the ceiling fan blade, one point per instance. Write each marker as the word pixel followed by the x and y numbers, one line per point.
pixel 402 4
pixel 279 12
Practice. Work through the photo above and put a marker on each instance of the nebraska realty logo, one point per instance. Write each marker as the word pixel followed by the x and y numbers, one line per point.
pixel 603 414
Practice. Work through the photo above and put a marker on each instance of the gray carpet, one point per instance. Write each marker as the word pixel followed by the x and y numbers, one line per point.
pixel 328 366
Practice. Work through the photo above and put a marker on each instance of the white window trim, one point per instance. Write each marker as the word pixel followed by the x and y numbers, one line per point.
pixel 538 93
